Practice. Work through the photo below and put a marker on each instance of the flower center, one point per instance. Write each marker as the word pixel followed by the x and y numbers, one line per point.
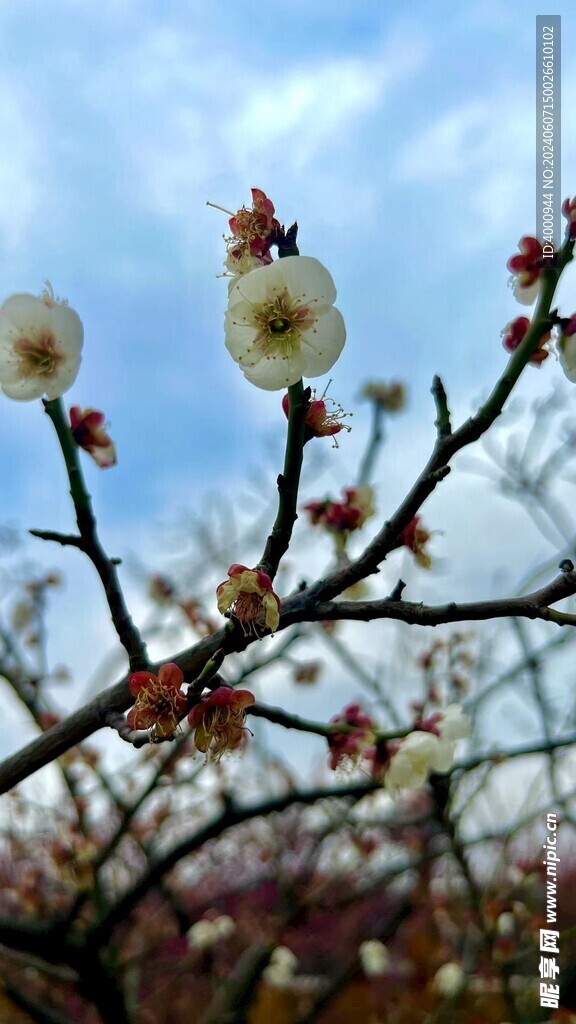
pixel 280 322
pixel 39 357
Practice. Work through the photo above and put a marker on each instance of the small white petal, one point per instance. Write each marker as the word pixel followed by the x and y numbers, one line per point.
pixel 567 354
pixel 271 374
pixel 322 346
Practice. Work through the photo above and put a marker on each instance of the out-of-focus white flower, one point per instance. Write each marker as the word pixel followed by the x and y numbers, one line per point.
pixel 224 926
pixel 206 933
pixel 448 980
pixel 453 725
pixel 277 976
pixel 374 957
pixel 280 971
pixel 567 348
pixel 281 324
pixel 202 935
pixel 526 296
pixel 40 344
pixel 418 754
pixel 422 751
pixel 506 924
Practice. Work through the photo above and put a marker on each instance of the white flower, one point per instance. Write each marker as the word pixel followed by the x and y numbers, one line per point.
pixel 40 344
pixel 280 970
pixel 525 295
pixel 202 934
pixel 284 957
pixel 278 976
pixel 506 924
pixel 567 353
pixel 418 754
pixel 224 926
pixel 374 957
pixel 448 980
pixel 454 724
pixel 281 324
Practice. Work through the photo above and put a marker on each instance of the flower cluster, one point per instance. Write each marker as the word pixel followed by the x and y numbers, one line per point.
pixel 41 340
pixel 399 764
pixel 343 517
pixel 247 594
pixel 206 932
pixel 348 748
pixel 160 704
pixel 253 231
pixel 88 428
pixel 218 721
pixel 429 749
pixel 526 269
pixel 516 331
pixel 388 396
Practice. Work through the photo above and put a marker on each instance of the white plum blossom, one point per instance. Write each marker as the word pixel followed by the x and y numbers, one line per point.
pixel 526 295
pixel 205 933
pixel 448 980
pixel 418 754
pixel 281 323
pixel 567 354
pixel 280 971
pixel 374 957
pixel 201 935
pixel 454 725
pixel 40 344
pixel 422 752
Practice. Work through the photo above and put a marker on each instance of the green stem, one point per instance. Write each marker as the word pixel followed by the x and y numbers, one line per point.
pixel 442 421
pixel 288 482
pixel 90 542
pixel 375 440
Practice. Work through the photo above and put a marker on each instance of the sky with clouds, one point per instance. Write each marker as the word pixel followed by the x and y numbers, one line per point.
pixel 403 143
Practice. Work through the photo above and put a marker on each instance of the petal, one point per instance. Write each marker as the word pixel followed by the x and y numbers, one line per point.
pixel 141 718
pixel 271 606
pixel 67 326
pixel 196 715
pixel 322 345
pixel 25 313
pixel 308 279
pixel 274 373
pixel 141 680
pixel 259 285
pixel 241 334
pixel 442 758
pixel 226 594
pixel 236 569
pixel 104 456
pixel 62 380
pixel 243 698
pixel 24 390
pixel 171 675
pixel 221 696
pixel 202 739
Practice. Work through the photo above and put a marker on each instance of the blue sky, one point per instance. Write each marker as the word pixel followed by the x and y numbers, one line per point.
pixel 402 142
